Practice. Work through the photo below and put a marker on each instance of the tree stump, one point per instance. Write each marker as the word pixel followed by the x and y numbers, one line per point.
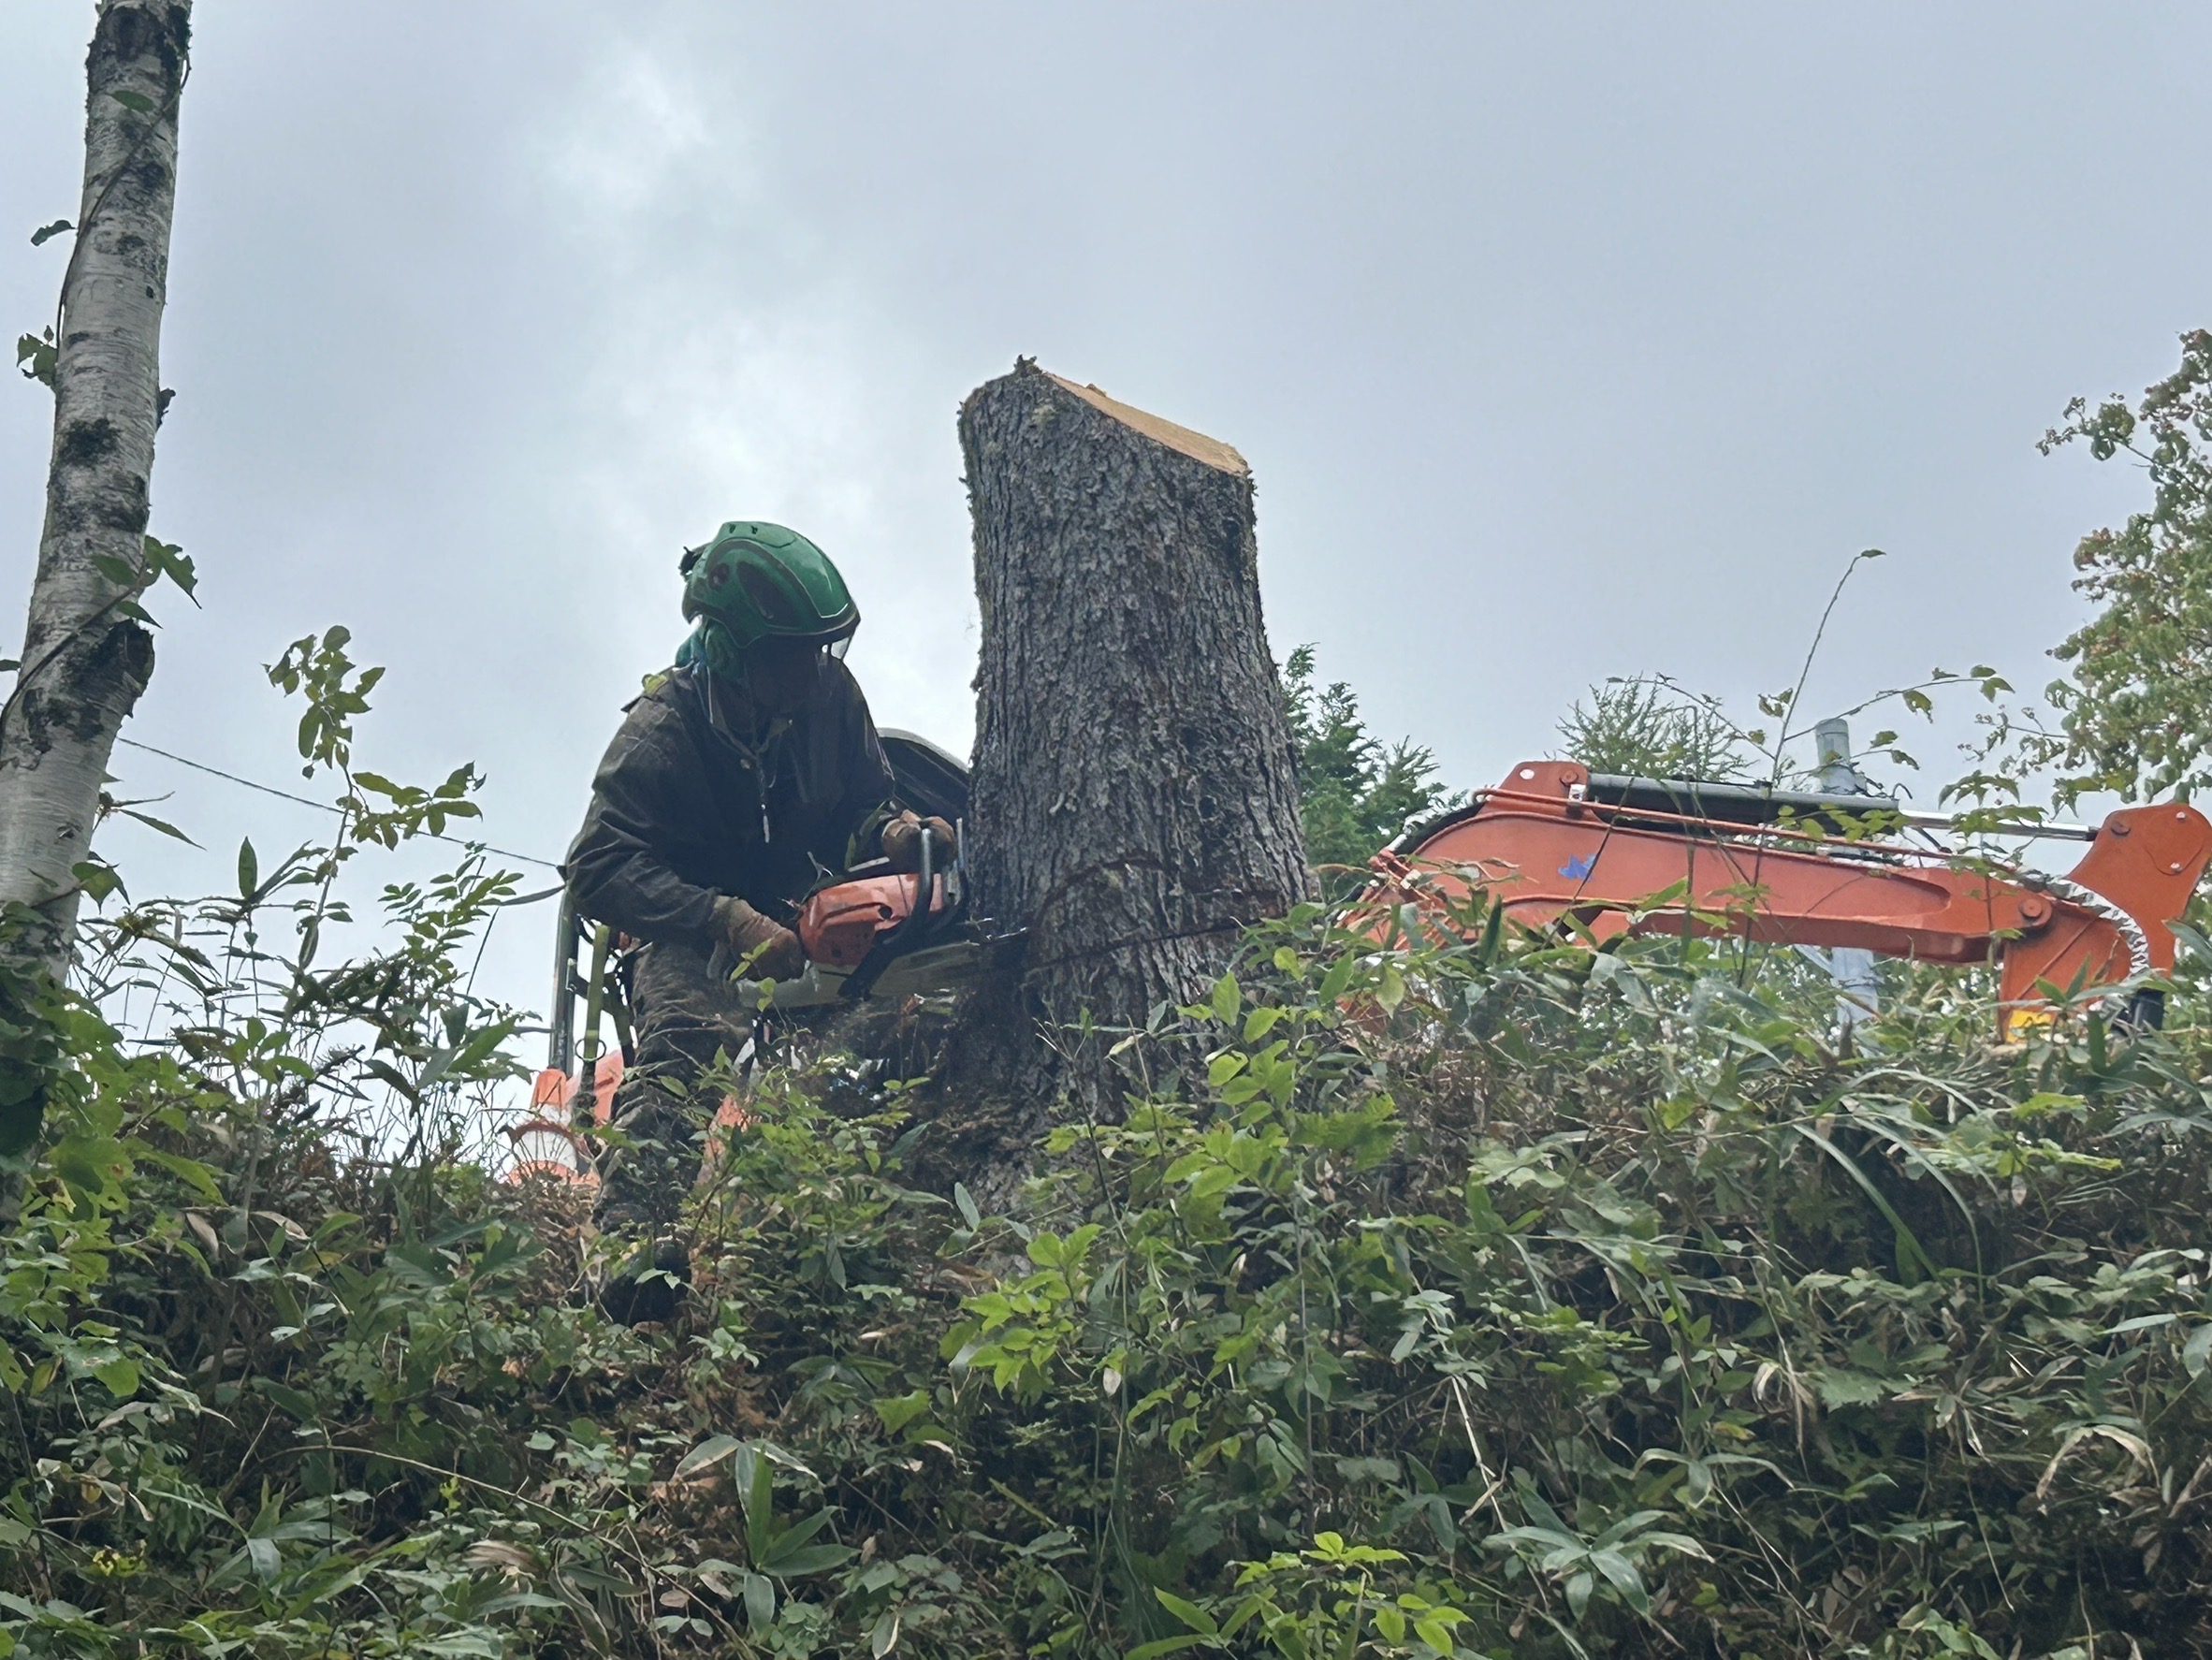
pixel 1134 797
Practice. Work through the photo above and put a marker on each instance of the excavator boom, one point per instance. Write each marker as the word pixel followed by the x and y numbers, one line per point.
pixel 1669 856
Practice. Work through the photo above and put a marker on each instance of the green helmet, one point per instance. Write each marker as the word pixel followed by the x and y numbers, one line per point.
pixel 753 581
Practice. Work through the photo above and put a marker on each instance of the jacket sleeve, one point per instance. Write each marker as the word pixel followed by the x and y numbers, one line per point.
pixel 615 870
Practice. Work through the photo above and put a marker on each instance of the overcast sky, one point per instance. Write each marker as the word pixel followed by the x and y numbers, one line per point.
pixel 1563 342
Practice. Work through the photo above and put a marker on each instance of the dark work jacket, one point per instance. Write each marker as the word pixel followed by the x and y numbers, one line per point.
pixel 676 816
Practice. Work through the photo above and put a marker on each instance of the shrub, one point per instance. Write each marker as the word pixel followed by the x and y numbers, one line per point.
pixel 1508 1298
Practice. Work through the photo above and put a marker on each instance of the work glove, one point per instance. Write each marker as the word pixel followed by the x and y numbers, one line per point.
pixel 745 932
pixel 902 842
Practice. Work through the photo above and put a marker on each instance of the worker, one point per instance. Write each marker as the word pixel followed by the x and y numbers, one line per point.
pixel 743 777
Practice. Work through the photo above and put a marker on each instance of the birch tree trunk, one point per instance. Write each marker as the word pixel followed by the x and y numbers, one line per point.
pixel 1134 797
pixel 84 661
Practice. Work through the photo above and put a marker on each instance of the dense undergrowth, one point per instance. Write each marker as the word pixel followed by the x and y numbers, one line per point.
pixel 1509 1299
pixel 1517 1297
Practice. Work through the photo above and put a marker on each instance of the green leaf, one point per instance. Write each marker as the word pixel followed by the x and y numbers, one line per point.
pixel 760 1602
pixel 1391 991
pixel 1368 1469
pixel 46 233
pixel 190 1171
pixel 897 1411
pixel 1841 1387
pixel 97 879
pixel 299 1402
pixel 965 1201
pixel 249 873
pixel 809 1559
pixel 1578 1592
pixel 1435 1628
pixel 1188 1613
pixel 2197 1352
pixel 119 1378
pixel 1621 1572
pixel 464 1059
pixel 2141 1322
pixel 1261 1022
pixel 1217 1178
pixel 756 1487
pixel 135 101
pixel 34 354
pixel 161 825
pixel 709 1452
pixel 1337 978
pixel 1228 999
pixel 514 1599
pixel 166 559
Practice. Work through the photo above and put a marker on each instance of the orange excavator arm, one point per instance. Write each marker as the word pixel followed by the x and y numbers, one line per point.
pixel 1664 856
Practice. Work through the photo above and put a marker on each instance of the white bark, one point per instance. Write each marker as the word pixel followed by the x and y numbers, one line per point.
pixel 84 663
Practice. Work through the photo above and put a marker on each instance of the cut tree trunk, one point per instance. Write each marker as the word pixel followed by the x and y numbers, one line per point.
pixel 1134 799
pixel 84 658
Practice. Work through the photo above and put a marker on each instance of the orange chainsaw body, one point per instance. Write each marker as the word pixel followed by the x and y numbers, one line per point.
pixel 839 925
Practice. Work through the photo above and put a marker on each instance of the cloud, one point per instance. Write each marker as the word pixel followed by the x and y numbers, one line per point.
pixel 737 370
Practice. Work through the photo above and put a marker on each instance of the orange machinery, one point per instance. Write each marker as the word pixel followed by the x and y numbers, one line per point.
pixel 1662 855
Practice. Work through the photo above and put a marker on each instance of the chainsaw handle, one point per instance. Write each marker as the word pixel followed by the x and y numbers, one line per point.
pixel 925 888
pixel 923 882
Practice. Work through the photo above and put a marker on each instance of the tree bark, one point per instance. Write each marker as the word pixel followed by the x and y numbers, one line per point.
pixel 84 658
pixel 1135 800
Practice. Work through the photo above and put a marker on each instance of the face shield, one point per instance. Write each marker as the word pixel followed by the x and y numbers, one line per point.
pixel 781 674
